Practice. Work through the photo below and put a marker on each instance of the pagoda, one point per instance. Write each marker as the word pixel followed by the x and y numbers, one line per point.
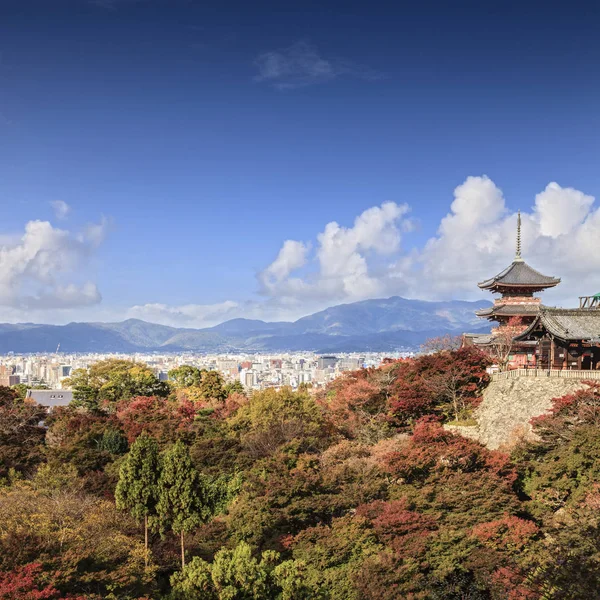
pixel 517 286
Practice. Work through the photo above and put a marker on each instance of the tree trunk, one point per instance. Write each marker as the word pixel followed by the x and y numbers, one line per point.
pixel 146 538
pixel 182 553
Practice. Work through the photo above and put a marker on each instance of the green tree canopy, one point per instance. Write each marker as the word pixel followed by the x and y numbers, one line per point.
pixel 179 504
pixel 211 386
pixel 186 376
pixel 234 387
pixel 237 575
pixel 137 489
pixel 275 418
pixel 113 380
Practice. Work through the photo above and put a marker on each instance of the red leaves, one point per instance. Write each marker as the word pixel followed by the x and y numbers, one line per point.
pixel 511 583
pixel 232 404
pixel 186 410
pixel 393 518
pixel 569 412
pixel 351 401
pixel 445 383
pixel 287 541
pixel 510 533
pixel 404 530
pixel 157 416
pixel 433 382
pixel 433 449
pixel 23 583
pixel 358 399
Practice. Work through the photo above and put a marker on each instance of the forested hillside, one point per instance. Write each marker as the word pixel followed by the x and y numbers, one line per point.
pixel 382 325
pixel 193 490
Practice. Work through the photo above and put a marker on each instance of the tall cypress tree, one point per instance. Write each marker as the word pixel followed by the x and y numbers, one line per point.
pixel 179 502
pixel 137 489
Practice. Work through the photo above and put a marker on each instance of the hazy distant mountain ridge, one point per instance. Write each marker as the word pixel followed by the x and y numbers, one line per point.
pixel 392 314
pixel 369 325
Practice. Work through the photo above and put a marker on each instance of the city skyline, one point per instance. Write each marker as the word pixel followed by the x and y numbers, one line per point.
pixel 187 164
pixel 254 370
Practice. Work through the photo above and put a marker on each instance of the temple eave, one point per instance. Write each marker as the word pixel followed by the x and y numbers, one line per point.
pixel 497 285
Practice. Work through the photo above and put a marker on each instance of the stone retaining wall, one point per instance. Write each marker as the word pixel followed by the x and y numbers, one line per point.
pixel 507 407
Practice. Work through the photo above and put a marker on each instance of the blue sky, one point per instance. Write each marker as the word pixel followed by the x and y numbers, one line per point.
pixel 190 140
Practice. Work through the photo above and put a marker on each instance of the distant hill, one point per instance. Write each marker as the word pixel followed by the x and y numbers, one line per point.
pixel 371 325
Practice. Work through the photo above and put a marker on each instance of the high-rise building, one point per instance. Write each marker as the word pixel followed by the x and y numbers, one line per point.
pixel 326 362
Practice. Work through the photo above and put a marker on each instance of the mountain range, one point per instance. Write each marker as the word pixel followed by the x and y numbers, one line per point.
pixel 370 325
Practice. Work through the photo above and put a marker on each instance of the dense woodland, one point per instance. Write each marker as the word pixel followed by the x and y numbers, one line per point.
pixel 195 490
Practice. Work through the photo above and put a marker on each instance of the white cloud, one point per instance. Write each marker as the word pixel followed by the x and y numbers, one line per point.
pixel 64 296
pixel 561 210
pixel 342 252
pixel 473 237
pixel 340 269
pixel 301 64
pixel 61 209
pixel 291 257
pixel 35 268
pixel 95 233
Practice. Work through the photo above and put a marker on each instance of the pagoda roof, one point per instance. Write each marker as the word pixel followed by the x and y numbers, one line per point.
pixel 479 339
pixel 487 339
pixel 519 275
pixel 509 310
pixel 568 324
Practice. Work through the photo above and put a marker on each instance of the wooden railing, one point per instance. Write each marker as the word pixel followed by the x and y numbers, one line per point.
pixel 556 373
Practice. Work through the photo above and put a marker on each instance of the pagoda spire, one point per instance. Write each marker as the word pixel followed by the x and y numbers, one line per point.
pixel 518 256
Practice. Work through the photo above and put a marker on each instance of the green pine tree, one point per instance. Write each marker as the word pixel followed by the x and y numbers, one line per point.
pixel 180 505
pixel 137 489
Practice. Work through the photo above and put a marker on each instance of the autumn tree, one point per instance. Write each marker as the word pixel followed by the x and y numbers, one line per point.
pixel 162 419
pixel 26 583
pixel 272 419
pixel 137 489
pixel 8 396
pixel 82 541
pixel 456 383
pixel 186 376
pixel 442 343
pixel 443 383
pixel 211 386
pixel 560 477
pixel 21 437
pixel 356 403
pixel 503 341
pixel 112 380
pixel 199 385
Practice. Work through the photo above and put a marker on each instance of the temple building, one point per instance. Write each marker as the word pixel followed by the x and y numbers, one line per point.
pixel 542 337
pixel 565 338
